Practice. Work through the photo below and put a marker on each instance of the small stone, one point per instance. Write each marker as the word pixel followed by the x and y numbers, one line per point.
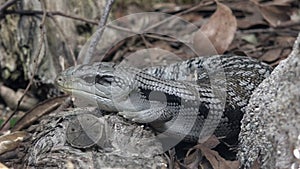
pixel 296 153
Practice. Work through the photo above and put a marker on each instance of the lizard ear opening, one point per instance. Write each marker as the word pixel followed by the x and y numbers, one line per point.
pixel 103 80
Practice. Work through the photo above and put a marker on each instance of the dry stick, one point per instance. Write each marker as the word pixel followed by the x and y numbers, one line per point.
pixel 58 13
pixel 95 39
pixel 168 160
pixel 163 21
pixel 180 13
pixel 49 13
pixel 147 44
pixel 7 4
pixel 35 60
pixel 100 30
pixel 67 102
pixel 63 35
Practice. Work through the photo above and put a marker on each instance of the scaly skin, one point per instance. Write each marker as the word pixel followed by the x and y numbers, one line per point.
pixel 194 98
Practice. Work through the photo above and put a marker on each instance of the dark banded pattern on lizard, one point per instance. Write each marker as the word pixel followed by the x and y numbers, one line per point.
pixel 192 98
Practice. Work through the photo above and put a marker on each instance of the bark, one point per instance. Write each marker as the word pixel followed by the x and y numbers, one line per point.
pixel 270 132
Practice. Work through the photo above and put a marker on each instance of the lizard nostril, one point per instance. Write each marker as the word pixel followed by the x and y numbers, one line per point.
pixel 59 79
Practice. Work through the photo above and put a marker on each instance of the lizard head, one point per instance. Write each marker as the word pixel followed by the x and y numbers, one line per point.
pixel 90 83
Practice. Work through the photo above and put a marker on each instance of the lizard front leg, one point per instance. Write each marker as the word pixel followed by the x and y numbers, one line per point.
pixel 157 112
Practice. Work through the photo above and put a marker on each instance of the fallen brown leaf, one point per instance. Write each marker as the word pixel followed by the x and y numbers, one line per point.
pixel 220 29
pixel 274 15
pixel 253 18
pixel 11 141
pixel 285 41
pixel 280 2
pixel 38 111
pixel 2 166
pixel 256 165
pixel 11 98
pixel 193 159
pixel 272 55
pixel 211 142
pixel 216 160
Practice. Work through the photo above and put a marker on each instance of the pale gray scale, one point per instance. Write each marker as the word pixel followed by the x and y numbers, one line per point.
pixel 230 62
pixel 258 66
pixel 247 73
pixel 241 73
pixel 250 66
pixel 177 71
pixel 253 75
pixel 169 88
pixel 243 83
pixel 242 103
pixel 230 73
pixel 250 86
pixel 203 89
pixel 241 64
pixel 207 94
pixel 262 71
pixel 237 98
pixel 139 99
pixel 156 82
pixel 120 83
pixel 231 93
pixel 216 108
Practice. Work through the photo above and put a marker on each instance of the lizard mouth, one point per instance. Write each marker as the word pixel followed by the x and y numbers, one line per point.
pixel 78 89
pixel 83 92
pixel 91 98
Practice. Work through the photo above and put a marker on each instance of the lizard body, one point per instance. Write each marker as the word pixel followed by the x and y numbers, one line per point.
pixel 192 98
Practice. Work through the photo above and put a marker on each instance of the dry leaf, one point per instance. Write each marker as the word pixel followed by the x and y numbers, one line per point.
pixel 272 55
pixel 252 19
pixel 2 166
pixel 220 29
pixel 285 41
pixel 38 111
pixel 211 142
pixel 285 53
pixel 250 39
pixel 193 159
pixel 280 2
pixel 216 160
pixel 11 141
pixel 274 14
pixel 11 98
pixel 256 165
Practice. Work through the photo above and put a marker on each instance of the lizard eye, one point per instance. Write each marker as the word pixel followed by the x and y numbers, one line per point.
pixel 104 80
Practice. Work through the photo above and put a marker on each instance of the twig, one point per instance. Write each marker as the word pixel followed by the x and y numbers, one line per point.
pixel 170 39
pixel 67 102
pixel 7 4
pixel 147 44
pixel 98 34
pixel 58 13
pixel 50 13
pixel 63 35
pixel 180 13
pixel 35 62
